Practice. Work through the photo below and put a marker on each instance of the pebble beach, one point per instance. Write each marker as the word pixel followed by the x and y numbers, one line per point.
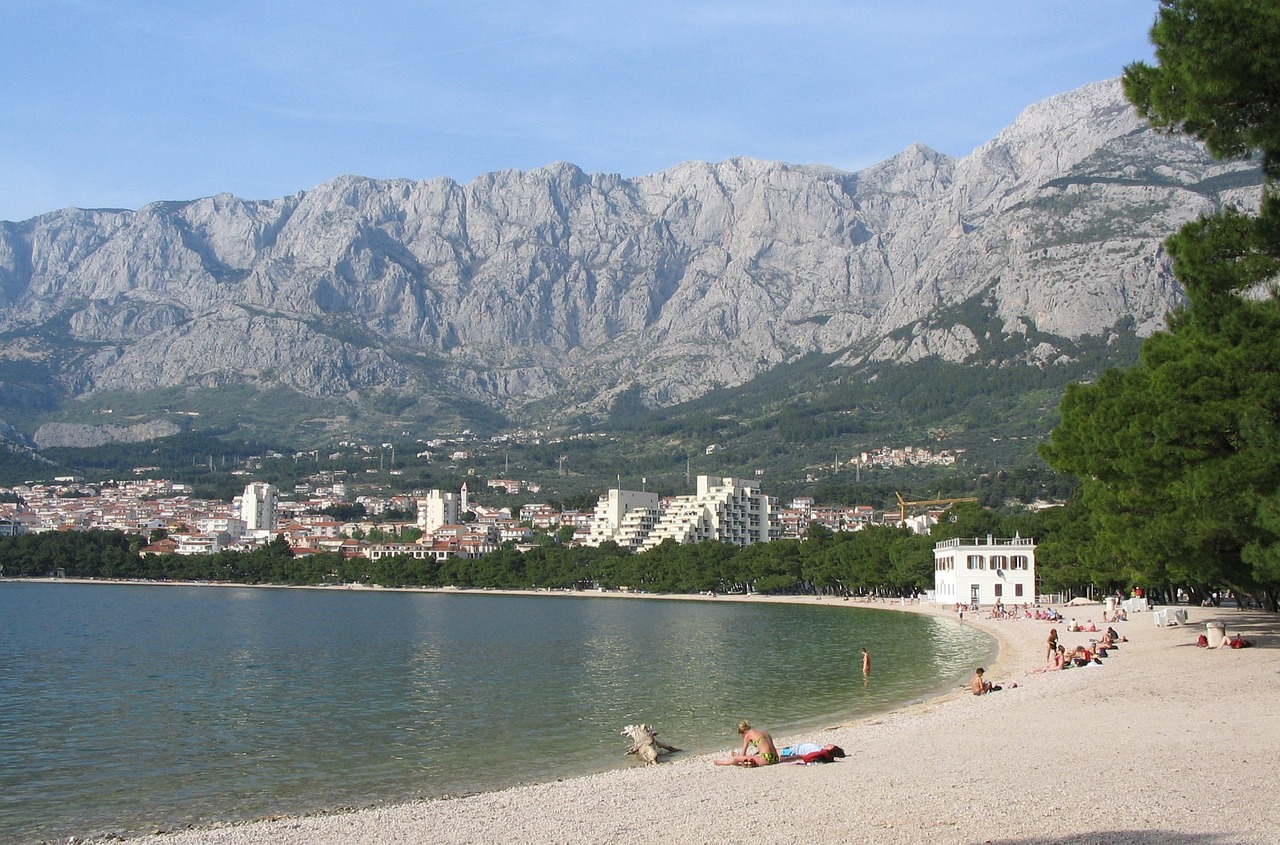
pixel 1165 742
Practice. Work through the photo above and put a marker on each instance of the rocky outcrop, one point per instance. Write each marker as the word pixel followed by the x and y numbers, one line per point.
pixel 81 435
pixel 565 288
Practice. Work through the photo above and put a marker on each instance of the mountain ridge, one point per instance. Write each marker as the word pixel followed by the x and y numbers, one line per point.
pixel 553 292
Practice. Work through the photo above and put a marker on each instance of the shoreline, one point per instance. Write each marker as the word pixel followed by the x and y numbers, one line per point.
pixel 1163 743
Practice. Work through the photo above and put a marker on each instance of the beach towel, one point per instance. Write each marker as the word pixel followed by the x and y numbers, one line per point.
pixel 823 756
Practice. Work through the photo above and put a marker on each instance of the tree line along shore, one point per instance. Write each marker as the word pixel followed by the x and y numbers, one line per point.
pixel 875 561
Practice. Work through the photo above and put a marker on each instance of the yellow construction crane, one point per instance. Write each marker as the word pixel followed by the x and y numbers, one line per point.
pixel 903 504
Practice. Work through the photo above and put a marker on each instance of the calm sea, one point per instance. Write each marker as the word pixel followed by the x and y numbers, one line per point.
pixel 130 708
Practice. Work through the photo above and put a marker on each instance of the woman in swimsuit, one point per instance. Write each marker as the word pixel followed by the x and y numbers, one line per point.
pixel 766 753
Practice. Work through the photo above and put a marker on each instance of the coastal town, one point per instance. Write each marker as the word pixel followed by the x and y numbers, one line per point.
pixel 438 523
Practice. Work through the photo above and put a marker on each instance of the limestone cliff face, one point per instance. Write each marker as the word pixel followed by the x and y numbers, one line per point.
pixel 565 287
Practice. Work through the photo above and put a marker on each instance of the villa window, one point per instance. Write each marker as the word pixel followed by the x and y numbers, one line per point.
pixel 1019 562
pixel 975 562
pixel 999 562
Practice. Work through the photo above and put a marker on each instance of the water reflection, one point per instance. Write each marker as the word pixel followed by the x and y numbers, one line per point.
pixel 146 707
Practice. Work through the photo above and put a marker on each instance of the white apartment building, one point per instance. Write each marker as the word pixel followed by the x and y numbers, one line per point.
pixel 437 509
pixel 982 571
pixel 228 525
pixel 726 510
pixel 258 506
pixel 624 516
pixel 200 544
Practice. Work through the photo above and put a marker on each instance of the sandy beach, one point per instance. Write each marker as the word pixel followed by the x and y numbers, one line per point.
pixel 1164 743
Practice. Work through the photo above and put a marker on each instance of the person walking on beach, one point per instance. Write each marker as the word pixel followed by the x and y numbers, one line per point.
pixel 866 663
pixel 766 753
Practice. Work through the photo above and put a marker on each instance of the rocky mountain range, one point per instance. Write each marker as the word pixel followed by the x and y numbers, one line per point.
pixel 549 293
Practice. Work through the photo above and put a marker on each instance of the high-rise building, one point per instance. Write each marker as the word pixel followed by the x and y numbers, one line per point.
pixel 625 517
pixel 437 509
pixel 258 506
pixel 727 510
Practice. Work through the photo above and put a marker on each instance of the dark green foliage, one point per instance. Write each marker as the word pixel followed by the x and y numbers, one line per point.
pixel 1178 455
pixel 187 449
pixel 17 465
pixel 80 554
pixel 347 512
pixel 1215 76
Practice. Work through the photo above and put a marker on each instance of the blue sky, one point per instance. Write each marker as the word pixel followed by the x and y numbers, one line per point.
pixel 117 103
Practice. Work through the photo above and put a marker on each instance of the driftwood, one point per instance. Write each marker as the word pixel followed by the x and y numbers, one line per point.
pixel 645 744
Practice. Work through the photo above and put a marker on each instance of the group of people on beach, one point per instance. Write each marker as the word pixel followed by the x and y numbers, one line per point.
pixel 1058 656
pixel 999 611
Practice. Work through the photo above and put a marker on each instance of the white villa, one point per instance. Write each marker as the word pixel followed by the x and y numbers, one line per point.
pixel 977 571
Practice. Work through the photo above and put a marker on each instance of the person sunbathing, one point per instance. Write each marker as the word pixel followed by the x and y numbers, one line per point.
pixel 811 752
pixel 766 753
pixel 1236 642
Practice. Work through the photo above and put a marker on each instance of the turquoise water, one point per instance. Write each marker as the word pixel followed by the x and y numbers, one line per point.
pixel 130 708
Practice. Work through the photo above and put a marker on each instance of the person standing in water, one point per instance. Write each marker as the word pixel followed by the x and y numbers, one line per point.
pixel 866 663
pixel 766 753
